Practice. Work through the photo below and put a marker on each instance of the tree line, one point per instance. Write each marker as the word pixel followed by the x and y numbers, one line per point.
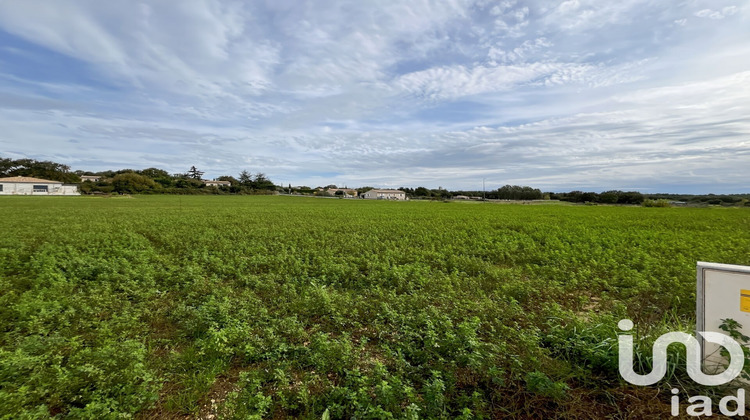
pixel 159 181
pixel 133 181
pixel 517 192
pixel 38 169
pixel 507 192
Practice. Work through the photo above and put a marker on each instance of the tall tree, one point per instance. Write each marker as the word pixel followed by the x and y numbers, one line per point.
pixel 246 179
pixel 261 182
pixel 194 173
pixel 6 166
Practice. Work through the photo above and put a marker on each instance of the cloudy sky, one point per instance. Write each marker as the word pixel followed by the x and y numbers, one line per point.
pixel 593 95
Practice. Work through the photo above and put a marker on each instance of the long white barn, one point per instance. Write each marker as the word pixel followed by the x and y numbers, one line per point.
pixel 384 195
pixel 24 185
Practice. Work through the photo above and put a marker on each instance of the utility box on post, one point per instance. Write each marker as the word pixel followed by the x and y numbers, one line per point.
pixel 723 293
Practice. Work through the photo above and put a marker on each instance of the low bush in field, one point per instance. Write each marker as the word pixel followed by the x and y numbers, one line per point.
pixel 656 203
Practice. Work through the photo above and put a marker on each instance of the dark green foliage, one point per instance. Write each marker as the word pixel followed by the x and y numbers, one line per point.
pixel 539 383
pixel 261 182
pixel 607 197
pixel 188 183
pixel 231 179
pixel 132 183
pixel 159 176
pixel 37 169
pixel 516 192
pixel 157 181
pixel 656 203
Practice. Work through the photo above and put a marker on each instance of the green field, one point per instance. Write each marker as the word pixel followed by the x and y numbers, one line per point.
pixel 274 307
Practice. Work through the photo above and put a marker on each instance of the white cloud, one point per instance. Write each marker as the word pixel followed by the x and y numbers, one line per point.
pixel 521 53
pixel 717 14
pixel 708 13
pixel 578 15
pixel 459 81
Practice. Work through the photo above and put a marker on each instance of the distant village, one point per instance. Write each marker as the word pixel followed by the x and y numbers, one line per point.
pixel 32 177
pixel 24 185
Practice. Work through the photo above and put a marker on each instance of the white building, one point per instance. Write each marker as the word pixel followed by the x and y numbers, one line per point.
pixel 345 192
pixel 385 195
pixel 24 185
pixel 92 178
pixel 217 183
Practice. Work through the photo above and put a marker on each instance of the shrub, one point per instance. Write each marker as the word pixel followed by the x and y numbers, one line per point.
pixel 656 203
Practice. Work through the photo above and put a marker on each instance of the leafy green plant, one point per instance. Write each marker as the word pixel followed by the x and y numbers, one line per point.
pixel 732 327
pixel 290 307
pixel 539 383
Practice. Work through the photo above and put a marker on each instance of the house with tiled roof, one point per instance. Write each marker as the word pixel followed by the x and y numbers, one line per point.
pixel 25 185
pixel 216 183
pixel 345 192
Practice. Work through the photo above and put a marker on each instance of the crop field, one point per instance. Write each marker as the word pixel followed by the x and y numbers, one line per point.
pixel 278 307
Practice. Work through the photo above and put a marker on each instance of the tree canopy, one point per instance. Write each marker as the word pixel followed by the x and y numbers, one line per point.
pixel 37 169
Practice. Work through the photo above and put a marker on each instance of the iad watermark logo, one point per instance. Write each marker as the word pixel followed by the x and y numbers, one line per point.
pixel 694 363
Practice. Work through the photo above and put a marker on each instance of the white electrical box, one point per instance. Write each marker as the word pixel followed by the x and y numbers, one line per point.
pixel 723 292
